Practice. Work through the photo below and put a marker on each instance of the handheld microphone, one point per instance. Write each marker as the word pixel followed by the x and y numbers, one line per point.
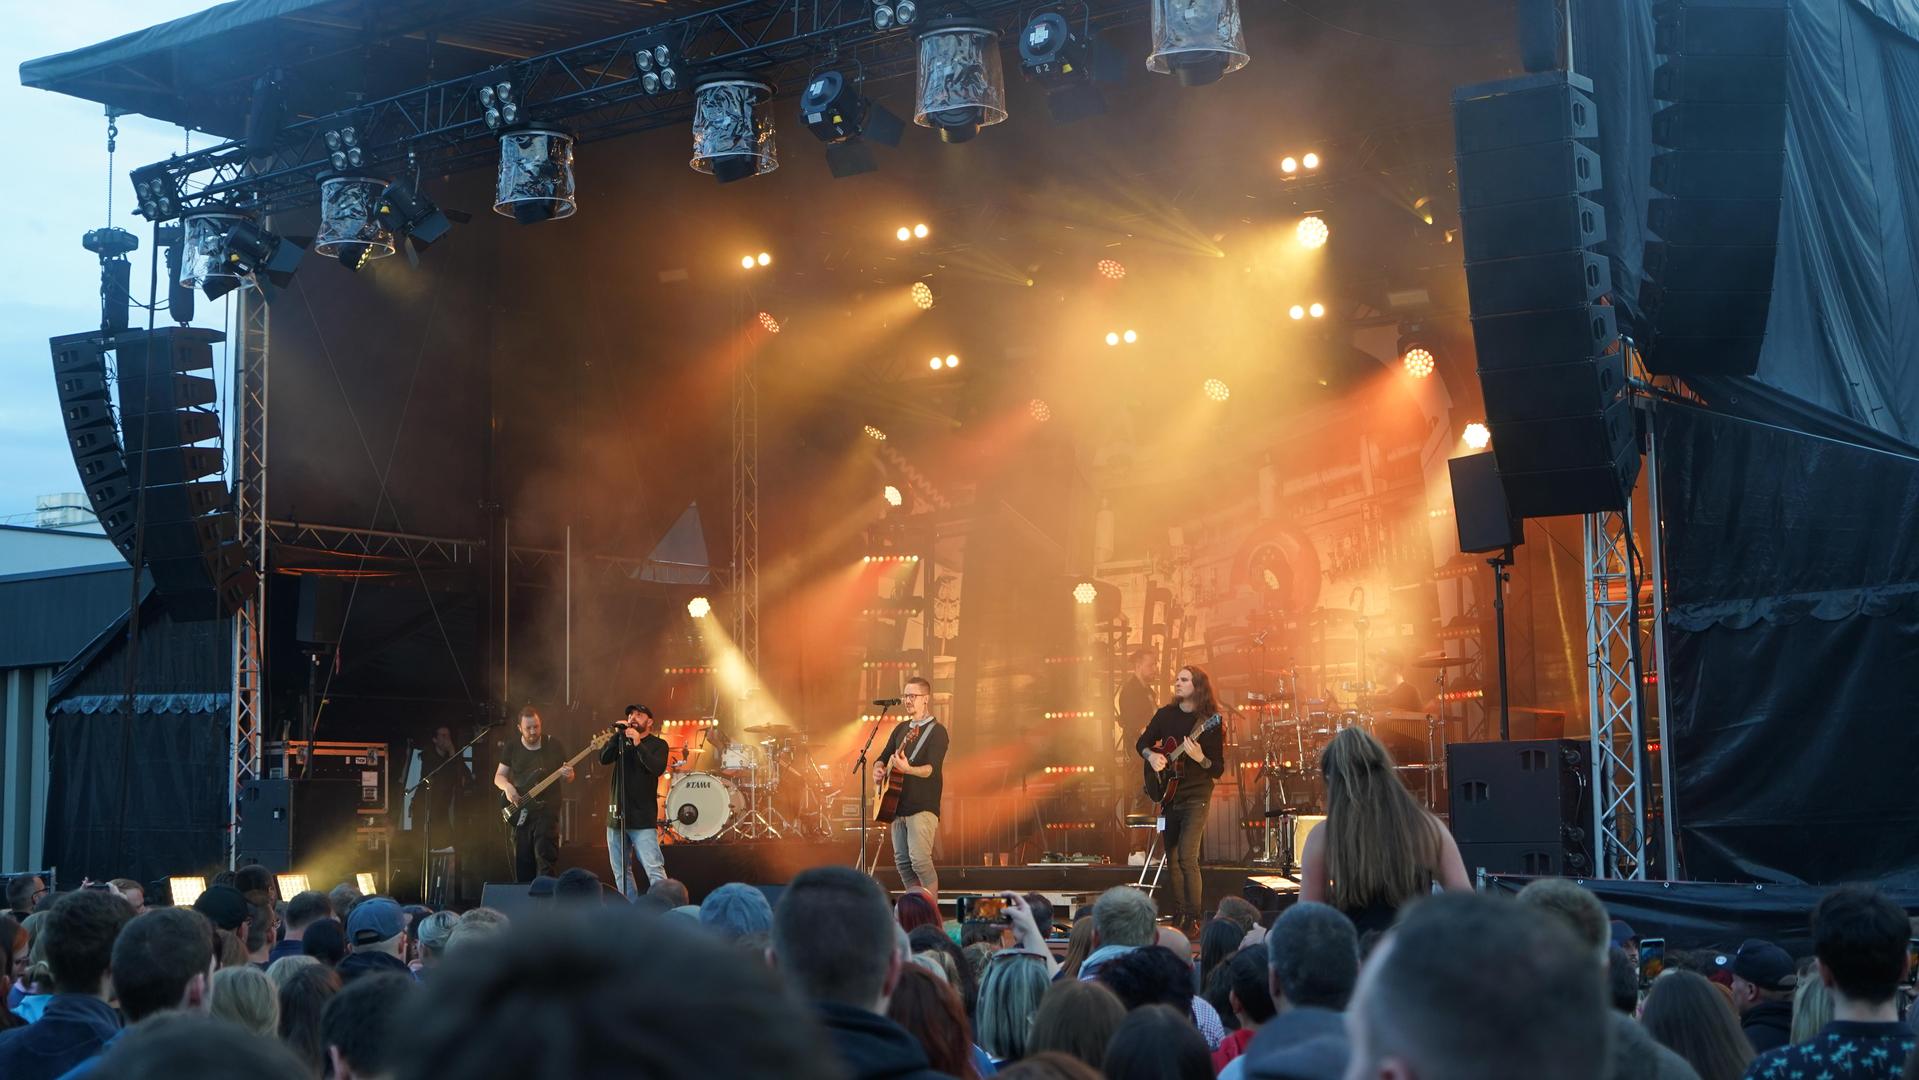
pixel 886 702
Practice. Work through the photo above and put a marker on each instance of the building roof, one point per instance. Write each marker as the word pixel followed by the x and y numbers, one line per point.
pixel 25 550
pixel 53 614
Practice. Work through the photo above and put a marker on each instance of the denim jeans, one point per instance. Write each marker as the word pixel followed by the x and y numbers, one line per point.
pixel 645 846
pixel 913 837
pixel 1185 828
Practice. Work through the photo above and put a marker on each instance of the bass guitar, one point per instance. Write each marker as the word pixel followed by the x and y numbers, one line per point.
pixel 1161 784
pixel 516 813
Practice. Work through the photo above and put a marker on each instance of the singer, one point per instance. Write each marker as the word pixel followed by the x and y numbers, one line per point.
pixel 638 757
pixel 915 759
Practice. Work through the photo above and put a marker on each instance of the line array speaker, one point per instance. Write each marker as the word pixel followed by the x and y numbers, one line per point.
pixel 1550 367
pixel 1719 141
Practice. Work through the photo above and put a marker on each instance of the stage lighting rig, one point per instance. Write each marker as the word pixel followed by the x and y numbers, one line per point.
pixel 1198 40
pixel 350 225
pixel 847 121
pixel 1418 355
pixel 535 181
pixel 890 13
pixel 1477 435
pixel 656 66
pixel 733 134
pixel 116 273
pixel 343 147
pixel 156 192
pixel 1217 390
pixel 405 212
pixel 961 86
pixel 1067 65
pixel 250 251
pixel 922 296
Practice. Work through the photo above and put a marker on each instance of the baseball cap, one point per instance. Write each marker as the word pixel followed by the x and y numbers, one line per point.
pixel 224 906
pixel 1622 932
pixel 375 919
pixel 1765 965
pixel 737 909
pixel 542 886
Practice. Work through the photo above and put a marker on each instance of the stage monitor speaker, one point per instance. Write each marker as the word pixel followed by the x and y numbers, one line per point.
pixel 1522 804
pixel 1479 506
pixel 266 825
pixel 1718 171
pixel 510 899
pixel 293 824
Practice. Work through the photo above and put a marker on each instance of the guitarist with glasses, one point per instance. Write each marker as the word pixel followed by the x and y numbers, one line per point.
pixel 527 761
pixel 1184 747
pixel 910 774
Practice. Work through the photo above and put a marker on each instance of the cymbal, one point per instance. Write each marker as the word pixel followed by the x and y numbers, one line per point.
pixel 770 729
pixel 1439 661
pixel 1326 615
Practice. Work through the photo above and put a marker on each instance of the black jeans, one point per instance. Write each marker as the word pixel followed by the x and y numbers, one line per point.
pixel 536 846
pixel 1185 828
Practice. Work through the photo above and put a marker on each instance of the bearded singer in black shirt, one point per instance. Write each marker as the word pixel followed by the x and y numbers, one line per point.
pixel 1201 761
pixel 528 760
pixel 636 800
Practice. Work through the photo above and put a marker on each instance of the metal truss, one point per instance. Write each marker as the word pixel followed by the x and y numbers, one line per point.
pixel 745 563
pixel 593 89
pixel 373 543
pixel 248 705
pixel 609 567
pixel 1613 678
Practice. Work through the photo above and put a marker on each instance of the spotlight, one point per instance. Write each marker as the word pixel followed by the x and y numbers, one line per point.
pixel 732 130
pixel 922 296
pixel 920 231
pixel 1066 65
pixel 1112 337
pixel 1316 309
pixel 156 192
pixel 846 121
pixel 1310 160
pixel 875 434
pixel 185 890
pixel 1198 40
pixel 1130 337
pixel 747 262
pixel 763 259
pixel 501 111
pixel 1418 361
pixel 369 884
pixel 1217 390
pixel 658 69
pixel 292 885
pixel 1084 593
pixel 934 363
pixel 892 495
pixel 406 212
pixel 906 11
pixel 699 607
pixel 883 16
pixel 350 226
pixel 250 251
pixel 903 234
pixel 952 361
pixel 1297 311
pixel 961 87
pixel 1112 269
pixel 1039 410
pixel 767 320
pixel 1312 231
pixel 1289 165
pixel 889 13
pixel 1477 435
pixel 535 182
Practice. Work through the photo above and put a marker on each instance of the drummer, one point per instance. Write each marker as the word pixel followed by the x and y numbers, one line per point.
pixel 1400 693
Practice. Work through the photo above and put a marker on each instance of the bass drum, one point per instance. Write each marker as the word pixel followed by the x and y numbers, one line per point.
pixel 699 805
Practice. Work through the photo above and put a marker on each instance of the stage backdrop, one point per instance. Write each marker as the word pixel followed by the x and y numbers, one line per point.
pixel 1793 637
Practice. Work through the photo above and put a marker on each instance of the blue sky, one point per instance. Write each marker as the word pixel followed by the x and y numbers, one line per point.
pixel 55 192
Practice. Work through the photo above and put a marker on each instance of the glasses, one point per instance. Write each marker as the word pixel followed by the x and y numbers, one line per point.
pixel 910 697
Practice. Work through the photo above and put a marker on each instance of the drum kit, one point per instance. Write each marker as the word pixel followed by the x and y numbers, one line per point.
pixel 765 787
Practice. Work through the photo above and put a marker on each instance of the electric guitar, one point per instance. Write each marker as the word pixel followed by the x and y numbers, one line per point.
pixel 1163 783
pixel 889 790
pixel 516 813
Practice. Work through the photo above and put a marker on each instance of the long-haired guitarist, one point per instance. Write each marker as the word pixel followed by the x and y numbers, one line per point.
pixel 528 760
pixel 1170 748
pixel 916 753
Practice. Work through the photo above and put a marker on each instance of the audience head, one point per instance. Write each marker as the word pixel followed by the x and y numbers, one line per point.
pixel 260 926
pixel 1812 1005
pixel 931 1011
pixel 230 950
pixel 377 924
pixel 1761 971
pixel 1313 957
pixel 578 885
pixel 1009 996
pixel 224 906
pixel 304 909
pixel 434 931
pixel 342 898
pixel 325 941
pixel 1050 1065
pixel 1124 915
pixel 484 915
pixel 966 980
pixel 670 891
pixel 358 1027
pixel 1077 1019
pixel 915 909
pixel 1381 846
pixel 605 992
pixel 1150 976
pixel 1481 987
pixel 1692 1017
pixel 134 893
pixel 833 938
pixel 1860 938
pixel 1079 945
pixel 304 993
pixel 1157 1043
pixel 79 934
pixel 1622 981
pixel 204 1047
pixel 1042 910
pixel 282 969
pixel 24 891
pixel 247 997
pixel 1249 979
pixel 1575 907
pixel 1217 944
pixel 163 960
pixel 1240 911
pixel 736 910
pixel 468 935
pixel 256 883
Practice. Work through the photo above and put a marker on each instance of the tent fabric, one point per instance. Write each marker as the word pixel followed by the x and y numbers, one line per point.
pixel 174 775
pixel 1792 638
pixel 143 704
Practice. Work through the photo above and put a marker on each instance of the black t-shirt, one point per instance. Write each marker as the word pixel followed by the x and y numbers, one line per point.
pixel 919 794
pixel 1173 721
pixel 528 767
pixel 640 769
pixel 1134 704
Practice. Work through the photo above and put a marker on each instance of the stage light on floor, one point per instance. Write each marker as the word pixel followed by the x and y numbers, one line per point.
pixel 1418 361
pixel 1112 338
pixel 292 885
pixel 1312 231
pixel 1297 311
pixel 733 135
pixel 767 320
pixel 699 607
pixel 1198 40
pixel 1217 390
pixel 185 890
pixel 922 296
pixel 1477 435
pixel 369 884
pixel 1316 309
pixel 1039 410
pixel 892 495
pixel 1085 593
pixel 1112 269
pixel 1289 165
pixel 874 433
pixel 535 181
pixel 961 86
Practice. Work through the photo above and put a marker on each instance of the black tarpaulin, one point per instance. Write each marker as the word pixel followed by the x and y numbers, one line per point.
pixel 1792 578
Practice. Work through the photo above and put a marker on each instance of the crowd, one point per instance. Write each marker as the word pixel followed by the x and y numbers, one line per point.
pixel 836 981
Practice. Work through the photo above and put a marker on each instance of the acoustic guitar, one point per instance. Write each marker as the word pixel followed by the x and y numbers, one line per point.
pixel 1162 784
pixel 516 813
pixel 889 790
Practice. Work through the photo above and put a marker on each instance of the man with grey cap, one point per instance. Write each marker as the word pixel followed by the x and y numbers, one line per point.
pixel 1763 977
pixel 377 930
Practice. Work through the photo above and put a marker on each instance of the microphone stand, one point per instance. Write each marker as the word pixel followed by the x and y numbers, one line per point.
pixel 616 810
pixel 859 769
pixel 1501 575
pixel 426 823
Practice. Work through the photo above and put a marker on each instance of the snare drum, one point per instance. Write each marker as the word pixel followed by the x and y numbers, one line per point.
pixel 699 805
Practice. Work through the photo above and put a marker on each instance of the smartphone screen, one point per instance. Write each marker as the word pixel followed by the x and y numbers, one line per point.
pixel 990 908
pixel 1652 958
pixel 1912 960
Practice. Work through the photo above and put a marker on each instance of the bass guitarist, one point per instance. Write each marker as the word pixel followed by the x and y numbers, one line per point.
pixel 1197 762
pixel 915 752
pixel 536 840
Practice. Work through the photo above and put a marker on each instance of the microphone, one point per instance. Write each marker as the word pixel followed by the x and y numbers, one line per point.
pixel 886 702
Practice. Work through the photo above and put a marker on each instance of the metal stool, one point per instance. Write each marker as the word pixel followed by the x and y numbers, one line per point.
pixel 1155 864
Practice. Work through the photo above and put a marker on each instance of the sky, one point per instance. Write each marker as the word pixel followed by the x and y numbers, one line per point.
pixel 54 284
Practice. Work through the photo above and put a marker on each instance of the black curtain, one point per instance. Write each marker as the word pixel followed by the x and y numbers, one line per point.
pixel 1792 573
pixel 176 806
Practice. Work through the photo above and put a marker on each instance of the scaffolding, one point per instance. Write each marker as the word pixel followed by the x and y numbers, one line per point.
pixel 744 566
pixel 248 705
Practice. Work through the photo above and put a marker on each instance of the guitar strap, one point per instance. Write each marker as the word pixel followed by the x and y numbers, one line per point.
pixel 925 733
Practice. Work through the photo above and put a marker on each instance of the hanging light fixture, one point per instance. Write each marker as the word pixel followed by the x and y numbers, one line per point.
pixel 732 131
pixel 203 252
pixel 1198 40
pixel 350 226
pixel 536 175
pixel 961 85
